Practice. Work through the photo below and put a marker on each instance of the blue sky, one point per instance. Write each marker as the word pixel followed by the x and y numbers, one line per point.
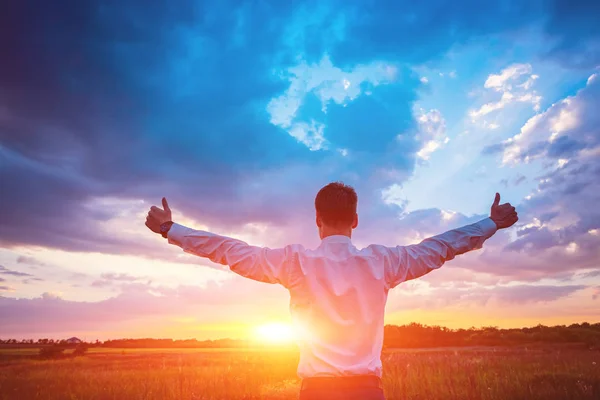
pixel 238 112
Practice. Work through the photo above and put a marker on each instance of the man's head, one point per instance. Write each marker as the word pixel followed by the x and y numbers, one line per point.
pixel 335 205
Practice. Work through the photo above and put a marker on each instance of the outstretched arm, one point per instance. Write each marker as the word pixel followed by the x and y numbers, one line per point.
pixel 257 263
pixel 409 262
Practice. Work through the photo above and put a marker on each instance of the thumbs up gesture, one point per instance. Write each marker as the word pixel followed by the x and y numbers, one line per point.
pixel 504 215
pixel 156 216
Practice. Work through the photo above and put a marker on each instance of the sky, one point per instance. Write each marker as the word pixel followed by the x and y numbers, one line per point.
pixel 240 111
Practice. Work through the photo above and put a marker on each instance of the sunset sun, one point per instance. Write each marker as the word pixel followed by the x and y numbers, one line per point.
pixel 274 332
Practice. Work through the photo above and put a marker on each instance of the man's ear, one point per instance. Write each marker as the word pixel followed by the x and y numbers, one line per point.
pixel 355 222
pixel 318 220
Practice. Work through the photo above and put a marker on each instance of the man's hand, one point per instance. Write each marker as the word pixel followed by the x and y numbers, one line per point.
pixel 156 217
pixel 504 215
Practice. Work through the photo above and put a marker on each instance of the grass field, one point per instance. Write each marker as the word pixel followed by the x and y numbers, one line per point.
pixel 116 374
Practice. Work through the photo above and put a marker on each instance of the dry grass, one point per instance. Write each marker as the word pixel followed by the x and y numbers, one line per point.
pixel 194 374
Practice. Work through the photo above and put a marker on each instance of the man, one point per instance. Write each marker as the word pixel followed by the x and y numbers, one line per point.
pixel 337 292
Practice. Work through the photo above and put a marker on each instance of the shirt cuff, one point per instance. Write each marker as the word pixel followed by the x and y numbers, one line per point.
pixel 488 227
pixel 177 233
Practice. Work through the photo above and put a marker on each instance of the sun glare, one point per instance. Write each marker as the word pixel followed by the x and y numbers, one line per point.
pixel 275 332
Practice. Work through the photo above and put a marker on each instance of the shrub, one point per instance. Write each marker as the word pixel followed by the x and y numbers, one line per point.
pixel 80 350
pixel 51 352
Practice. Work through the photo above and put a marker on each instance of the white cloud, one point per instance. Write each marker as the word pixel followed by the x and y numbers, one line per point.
pixel 310 135
pixel 514 83
pixel 432 132
pixel 572 119
pixel 491 125
pixel 507 76
pixel 330 84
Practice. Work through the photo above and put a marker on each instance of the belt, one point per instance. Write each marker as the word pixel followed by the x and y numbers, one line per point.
pixel 342 382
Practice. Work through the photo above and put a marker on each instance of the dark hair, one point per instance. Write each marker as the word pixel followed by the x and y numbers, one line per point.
pixel 336 204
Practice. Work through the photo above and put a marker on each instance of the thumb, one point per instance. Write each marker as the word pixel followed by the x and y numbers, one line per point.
pixel 165 204
pixel 496 200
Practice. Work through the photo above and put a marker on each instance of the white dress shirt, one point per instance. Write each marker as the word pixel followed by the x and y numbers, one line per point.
pixel 337 292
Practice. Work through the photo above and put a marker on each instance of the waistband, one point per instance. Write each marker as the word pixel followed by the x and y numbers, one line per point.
pixel 342 382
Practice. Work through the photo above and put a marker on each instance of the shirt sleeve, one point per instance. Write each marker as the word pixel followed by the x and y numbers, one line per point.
pixel 409 262
pixel 257 263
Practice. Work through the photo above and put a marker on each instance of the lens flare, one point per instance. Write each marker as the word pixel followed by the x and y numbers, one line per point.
pixel 275 332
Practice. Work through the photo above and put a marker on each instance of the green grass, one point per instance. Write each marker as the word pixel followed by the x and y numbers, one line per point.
pixel 169 374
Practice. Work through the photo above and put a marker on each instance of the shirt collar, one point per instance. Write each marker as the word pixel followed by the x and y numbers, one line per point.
pixel 336 239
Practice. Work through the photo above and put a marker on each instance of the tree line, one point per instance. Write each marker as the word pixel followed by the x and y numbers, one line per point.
pixel 413 335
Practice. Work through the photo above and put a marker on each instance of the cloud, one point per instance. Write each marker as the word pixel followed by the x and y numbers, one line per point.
pixel 432 132
pixel 558 219
pixel 566 129
pixel 574 31
pixel 200 101
pixel 456 295
pixel 141 303
pixel 120 277
pixel 109 279
pixel 514 83
pixel 418 33
pixel 237 300
pixel 509 77
pixel 329 84
pixel 519 179
pixel 185 106
pixel 31 261
pixel 30 280
pixel 101 283
pixel 6 271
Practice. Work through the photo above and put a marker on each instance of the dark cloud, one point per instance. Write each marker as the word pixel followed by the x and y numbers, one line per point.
pixel 420 32
pixel 573 25
pixel 564 147
pixel 546 217
pixel 6 288
pixel 101 283
pixel 110 279
pixel 120 277
pixel 31 261
pixel 494 148
pixel 519 179
pixel 516 181
pixel 140 101
pixel 6 271
pixel 529 293
pixel 30 280
pixel 468 295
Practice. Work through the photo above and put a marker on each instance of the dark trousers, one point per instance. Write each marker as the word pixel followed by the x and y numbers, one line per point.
pixel 342 388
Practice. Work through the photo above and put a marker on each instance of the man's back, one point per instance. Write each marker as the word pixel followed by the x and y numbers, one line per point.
pixel 337 302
